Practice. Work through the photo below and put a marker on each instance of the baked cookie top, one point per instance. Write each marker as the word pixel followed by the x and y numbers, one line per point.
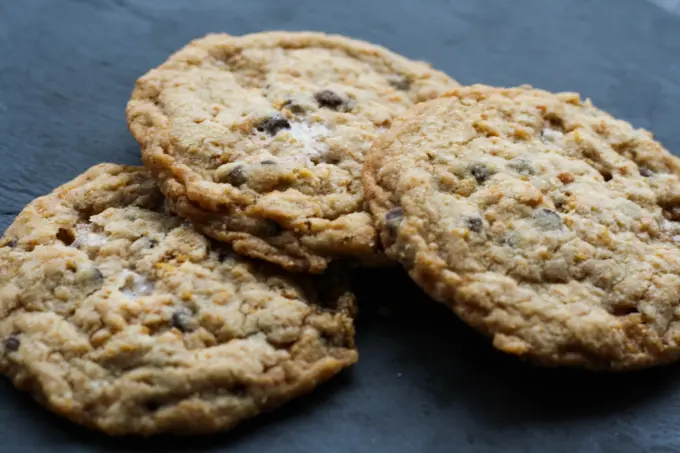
pixel 125 319
pixel 541 220
pixel 260 139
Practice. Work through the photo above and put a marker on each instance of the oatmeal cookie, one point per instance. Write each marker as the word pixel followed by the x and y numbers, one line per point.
pixel 260 139
pixel 123 318
pixel 540 220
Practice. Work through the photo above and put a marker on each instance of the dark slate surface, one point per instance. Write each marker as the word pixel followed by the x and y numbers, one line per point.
pixel 425 383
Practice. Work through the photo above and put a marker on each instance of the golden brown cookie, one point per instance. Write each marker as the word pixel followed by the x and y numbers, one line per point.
pixel 540 220
pixel 260 139
pixel 122 318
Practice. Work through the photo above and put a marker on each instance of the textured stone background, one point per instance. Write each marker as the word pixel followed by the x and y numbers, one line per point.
pixel 424 383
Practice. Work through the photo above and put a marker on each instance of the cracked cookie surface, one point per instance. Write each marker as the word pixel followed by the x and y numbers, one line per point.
pixel 542 221
pixel 123 318
pixel 260 139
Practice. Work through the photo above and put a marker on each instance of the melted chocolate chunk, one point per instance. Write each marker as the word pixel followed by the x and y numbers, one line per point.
pixel 273 124
pixel 330 99
pixel 237 176
pixel 12 343
pixel 475 224
pixel 479 172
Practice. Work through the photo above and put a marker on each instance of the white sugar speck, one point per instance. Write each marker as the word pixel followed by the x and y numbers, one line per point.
pixel 85 237
pixel 551 135
pixel 669 226
pixel 135 285
pixel 309 135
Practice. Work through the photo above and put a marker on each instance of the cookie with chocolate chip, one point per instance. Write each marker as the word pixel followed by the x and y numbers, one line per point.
pixel 260 139
pixel 124 319
pixel 541 220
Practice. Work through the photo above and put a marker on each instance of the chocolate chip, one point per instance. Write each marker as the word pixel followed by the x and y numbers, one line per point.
pixel 97 275
pixel 521 166
pixel 182 319
pixel 12 343
pixel 273 124
pixel 393 218
pixel 268 162
pixel 479 172
pixel 237 176
pixel 475 224
pixel 646 172
pixel 11 243
pixel 294 107
pixel 66 236
pixel 400 82
pixel 547 219
pixel 330 99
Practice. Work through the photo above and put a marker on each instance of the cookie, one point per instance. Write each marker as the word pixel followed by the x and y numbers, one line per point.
pixel 542 221
pixel 123 318
pixel 260 139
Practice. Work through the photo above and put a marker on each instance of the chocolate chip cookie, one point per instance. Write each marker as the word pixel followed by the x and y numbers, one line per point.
pixel 540 220
pixel 123 318
pixel 260 139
